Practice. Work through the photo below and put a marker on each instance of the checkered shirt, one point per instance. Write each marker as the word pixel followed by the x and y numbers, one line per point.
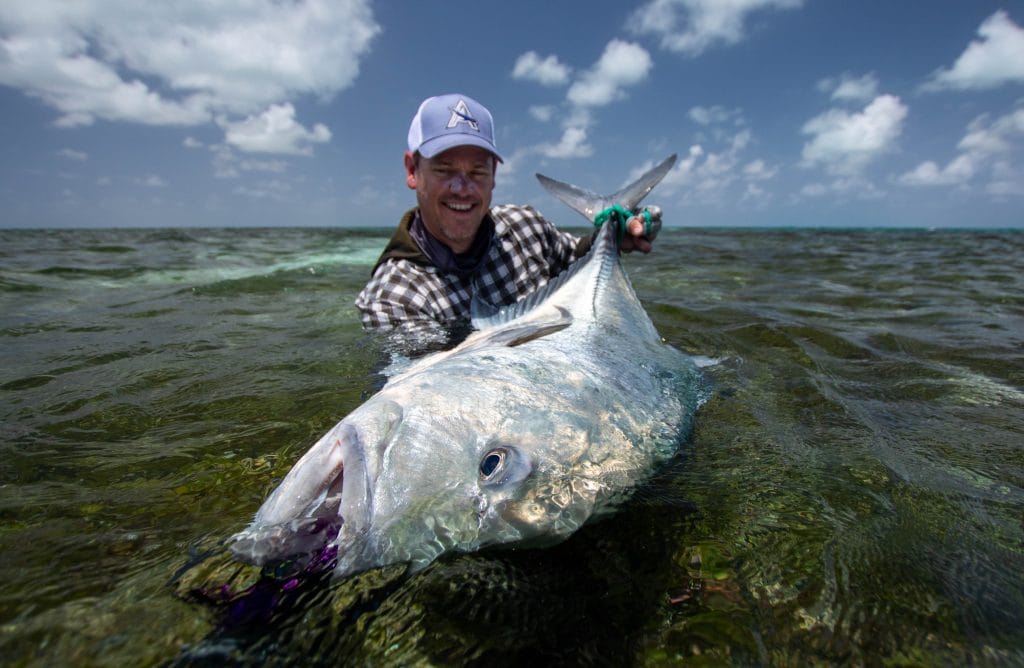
pixel 526 252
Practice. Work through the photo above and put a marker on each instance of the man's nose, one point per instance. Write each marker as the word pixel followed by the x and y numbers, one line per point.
pixel 460 183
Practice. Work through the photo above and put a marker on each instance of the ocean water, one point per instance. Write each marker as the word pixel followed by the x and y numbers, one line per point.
pixel 853 492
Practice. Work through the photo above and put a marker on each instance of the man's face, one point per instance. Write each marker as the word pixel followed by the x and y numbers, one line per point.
pixel 453 190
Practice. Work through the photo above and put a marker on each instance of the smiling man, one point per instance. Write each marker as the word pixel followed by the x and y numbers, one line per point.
pixel 454 244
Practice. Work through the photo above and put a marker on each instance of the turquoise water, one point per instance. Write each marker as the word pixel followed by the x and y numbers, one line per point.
pixel 853 492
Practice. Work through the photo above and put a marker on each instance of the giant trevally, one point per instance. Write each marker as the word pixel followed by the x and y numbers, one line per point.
pixel 546 417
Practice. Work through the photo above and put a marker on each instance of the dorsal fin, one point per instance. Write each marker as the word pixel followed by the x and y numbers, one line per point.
pixel 486 316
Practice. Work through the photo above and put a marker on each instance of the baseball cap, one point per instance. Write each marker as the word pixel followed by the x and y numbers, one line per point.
pixel 445 121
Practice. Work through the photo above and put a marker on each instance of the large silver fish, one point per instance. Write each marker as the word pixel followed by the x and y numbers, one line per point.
pixel 545 418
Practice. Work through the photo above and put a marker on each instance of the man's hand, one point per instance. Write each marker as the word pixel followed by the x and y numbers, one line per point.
pixel 639 232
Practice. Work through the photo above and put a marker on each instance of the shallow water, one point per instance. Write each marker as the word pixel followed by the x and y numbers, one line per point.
pixel 853 492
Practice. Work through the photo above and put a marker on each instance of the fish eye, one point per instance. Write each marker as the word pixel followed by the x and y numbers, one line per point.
pixel 492 462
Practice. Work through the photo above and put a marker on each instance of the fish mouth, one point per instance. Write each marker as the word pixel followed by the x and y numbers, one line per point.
pixel 323 497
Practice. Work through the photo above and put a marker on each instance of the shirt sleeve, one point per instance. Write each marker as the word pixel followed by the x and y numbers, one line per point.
pixel 562 251
pixel 390 298
pixel 393 302
pixel 560 248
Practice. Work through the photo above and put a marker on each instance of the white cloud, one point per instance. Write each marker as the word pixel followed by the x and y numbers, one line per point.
pixel 1007 179
pixel 928 173
pixel 758 170
pixel 547 71
pixel 152 181
pixel 622 64
pixel 714 115
pixel 72 154
pixel 191 142
pixel 274 189
pixel 843 188
pixel 999 136
pixel 996 59
pixel 716 176
pixel 227 164
pixel 572 145
pixel 846 142
pixel 814 190
pixel 274 131
pixel 692 26
pixel 183 63
pixel 542 113
pixel 987 147
pixel 860 89
pixel 273 166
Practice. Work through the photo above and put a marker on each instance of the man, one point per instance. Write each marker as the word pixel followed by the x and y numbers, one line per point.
pixel 454 244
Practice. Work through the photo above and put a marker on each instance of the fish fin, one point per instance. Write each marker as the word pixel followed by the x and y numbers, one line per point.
pixel 590 204
pixel 631 196
pixel 487 316
pixel 516 333
pixel 511 333
pixel 587 203
pixel 532 330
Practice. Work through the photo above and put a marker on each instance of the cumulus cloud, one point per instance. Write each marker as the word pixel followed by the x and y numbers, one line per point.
pixel 547 71
pixel 712 173
pixel 274 189
pixel 712 115
pixel 72 154
pixel 542 113
pixel 758 170
pixel 989 147
pixel 1007 179
pixel 996 59
pixel 692 26
pixel 718 168
pixel 572 145
pixel 274 131
pixel 928 173
pixel 183 63
pixel 847 87
pixel 845 187
pixel 621 65
pixel 844 143
pixel 273 166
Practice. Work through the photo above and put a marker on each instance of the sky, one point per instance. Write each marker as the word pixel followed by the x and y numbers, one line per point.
pixel 295 112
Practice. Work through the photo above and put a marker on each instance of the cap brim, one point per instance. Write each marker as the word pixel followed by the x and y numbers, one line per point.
pixel 438 145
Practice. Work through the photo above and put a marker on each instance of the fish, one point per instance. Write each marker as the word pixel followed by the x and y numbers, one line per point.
pixel 546 417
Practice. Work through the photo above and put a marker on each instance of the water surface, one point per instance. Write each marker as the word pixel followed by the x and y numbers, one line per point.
pixel 853 492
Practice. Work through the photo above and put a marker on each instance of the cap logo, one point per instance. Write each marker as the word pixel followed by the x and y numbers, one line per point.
pixel 460 114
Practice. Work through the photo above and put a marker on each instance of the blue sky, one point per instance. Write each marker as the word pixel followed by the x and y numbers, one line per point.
pixel 262 112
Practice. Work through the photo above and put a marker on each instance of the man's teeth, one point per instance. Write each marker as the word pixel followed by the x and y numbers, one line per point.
pixel 459 206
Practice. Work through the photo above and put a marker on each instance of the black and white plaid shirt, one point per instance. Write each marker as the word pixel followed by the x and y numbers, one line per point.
pixel 527 251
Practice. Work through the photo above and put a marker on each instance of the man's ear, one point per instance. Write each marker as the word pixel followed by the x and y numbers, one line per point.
pixel 410 170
